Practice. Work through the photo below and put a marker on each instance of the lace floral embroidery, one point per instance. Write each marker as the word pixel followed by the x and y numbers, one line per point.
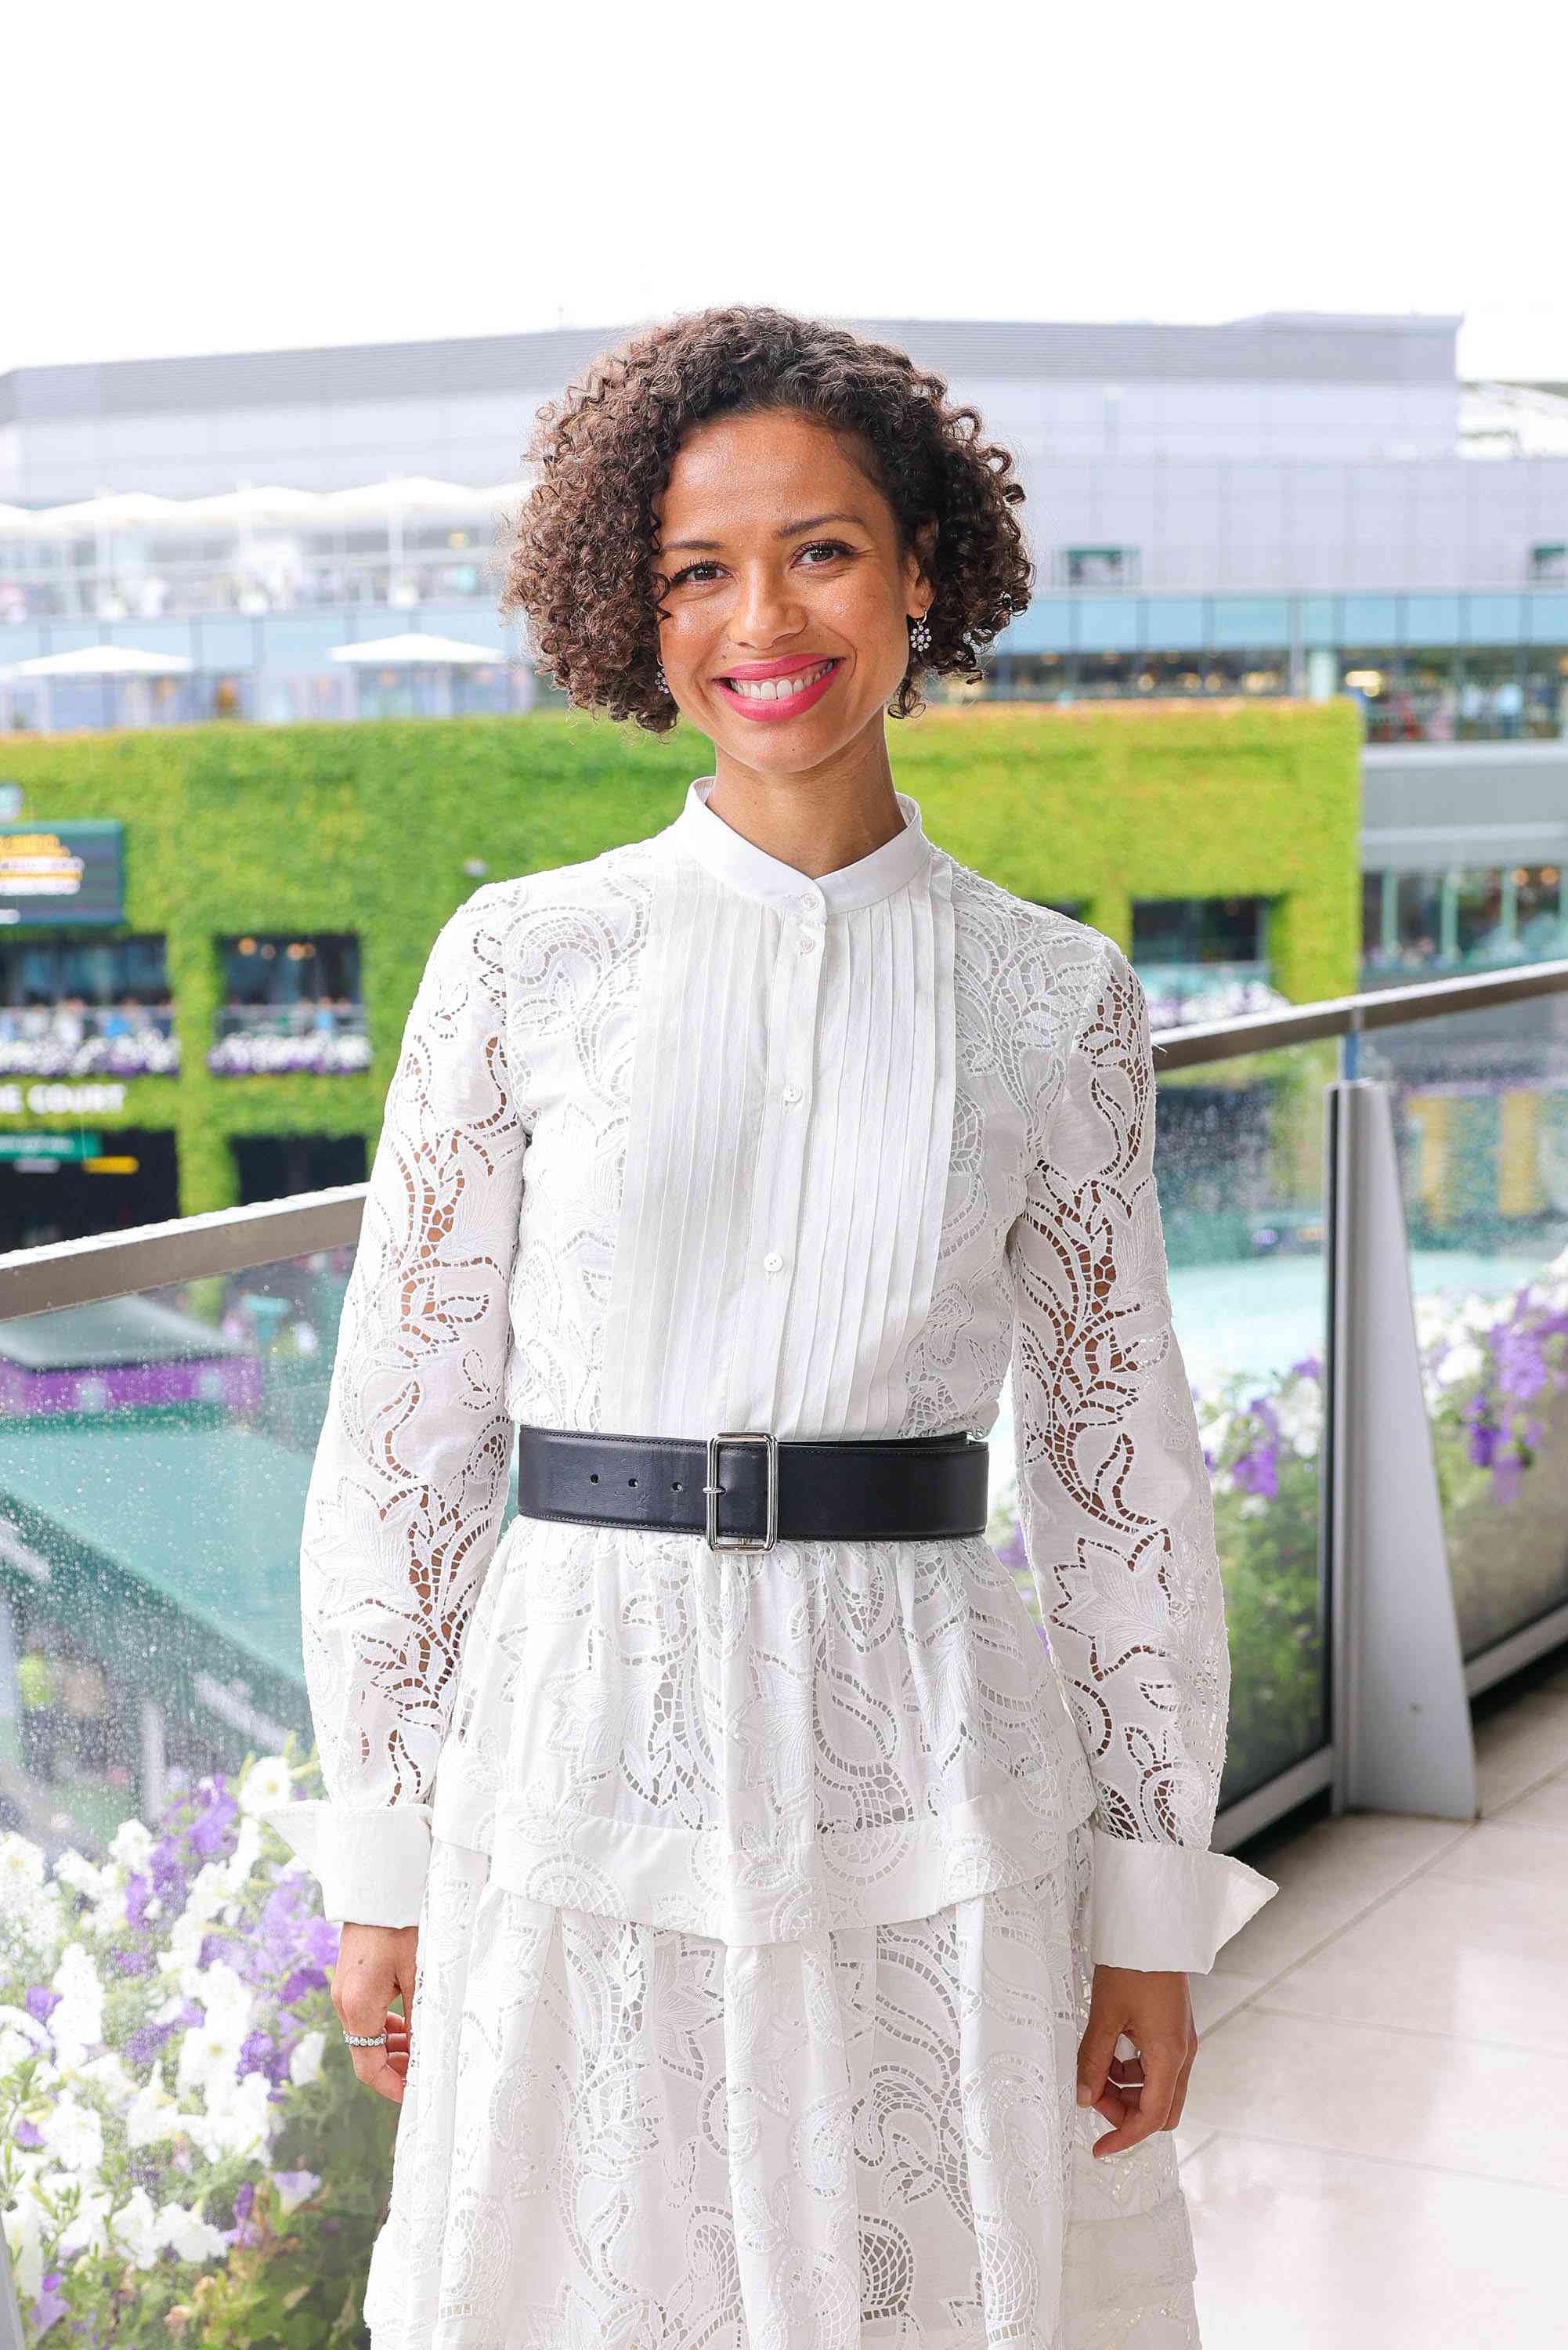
pixel 1118 1514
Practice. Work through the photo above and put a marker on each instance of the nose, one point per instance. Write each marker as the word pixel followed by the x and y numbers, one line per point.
pixel 766 609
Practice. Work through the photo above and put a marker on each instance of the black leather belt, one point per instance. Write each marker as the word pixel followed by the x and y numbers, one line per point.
pixel 745 1489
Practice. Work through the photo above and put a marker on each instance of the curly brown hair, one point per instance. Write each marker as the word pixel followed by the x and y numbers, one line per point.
pixel 580 566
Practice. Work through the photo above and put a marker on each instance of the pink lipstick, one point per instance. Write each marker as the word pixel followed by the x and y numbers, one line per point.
pixel 771 710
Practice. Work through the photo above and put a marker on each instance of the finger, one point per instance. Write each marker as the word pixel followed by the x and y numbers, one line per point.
pixel 1162 2063
pixel 1182 2078
pixel 1095 2052
pixel 362 2015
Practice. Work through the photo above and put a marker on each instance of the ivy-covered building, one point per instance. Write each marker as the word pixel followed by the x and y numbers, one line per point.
pixel 210 936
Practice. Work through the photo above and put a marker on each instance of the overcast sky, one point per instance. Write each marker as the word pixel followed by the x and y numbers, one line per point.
pixel 197 178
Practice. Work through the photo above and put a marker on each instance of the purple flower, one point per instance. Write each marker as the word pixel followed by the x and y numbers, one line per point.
pixel 167 1876
pixel 41 2002
pixel 259 2052
pixel 138 1894
pixel 210 1829
pixel 142 2044
pixel 302 1979
pixel 1257 1469
pixel 139 1961
pixel 27 2133
pixel 1309 1368
pixel 49 2304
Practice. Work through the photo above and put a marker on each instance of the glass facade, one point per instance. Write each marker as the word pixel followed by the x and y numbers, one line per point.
pixel 1422 667
pixel 1433 924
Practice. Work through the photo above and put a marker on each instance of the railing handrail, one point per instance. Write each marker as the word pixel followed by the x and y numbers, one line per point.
pixel 235 1240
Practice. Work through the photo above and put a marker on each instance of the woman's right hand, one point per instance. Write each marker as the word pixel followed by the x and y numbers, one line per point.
pixel 375 1963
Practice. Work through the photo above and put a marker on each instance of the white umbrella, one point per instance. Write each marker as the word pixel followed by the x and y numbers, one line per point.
pixel 105 660
pixel 414 651
pixel 119 510
pixel 269 504
pixel 100 661
pixel 413 493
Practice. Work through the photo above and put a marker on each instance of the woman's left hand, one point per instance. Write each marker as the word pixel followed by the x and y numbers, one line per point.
pixel 1145 2093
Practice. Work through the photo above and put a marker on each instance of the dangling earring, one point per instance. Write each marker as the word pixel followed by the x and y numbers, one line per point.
pixel 919 637
pixel 663 680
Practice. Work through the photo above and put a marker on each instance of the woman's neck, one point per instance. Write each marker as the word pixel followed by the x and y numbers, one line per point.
pixel 816 822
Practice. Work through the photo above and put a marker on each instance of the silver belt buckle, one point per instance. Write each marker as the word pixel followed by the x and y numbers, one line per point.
pixel 713 1489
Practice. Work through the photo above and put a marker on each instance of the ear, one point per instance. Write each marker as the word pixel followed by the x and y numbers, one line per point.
pixel 919 568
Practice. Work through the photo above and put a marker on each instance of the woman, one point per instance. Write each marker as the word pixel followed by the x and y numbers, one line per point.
pixel 802 1944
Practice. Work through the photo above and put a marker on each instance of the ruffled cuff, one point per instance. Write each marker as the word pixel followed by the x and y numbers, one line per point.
pixel 1167 1905
pixel 373 1864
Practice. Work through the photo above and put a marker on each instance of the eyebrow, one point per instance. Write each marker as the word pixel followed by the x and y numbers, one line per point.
pixel 784 530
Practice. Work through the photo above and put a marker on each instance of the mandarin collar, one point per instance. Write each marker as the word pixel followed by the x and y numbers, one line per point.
pixel 729 855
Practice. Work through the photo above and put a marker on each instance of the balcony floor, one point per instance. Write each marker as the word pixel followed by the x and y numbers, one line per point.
pixel 1373 2145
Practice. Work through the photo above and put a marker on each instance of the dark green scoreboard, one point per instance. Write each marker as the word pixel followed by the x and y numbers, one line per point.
pixel 52 874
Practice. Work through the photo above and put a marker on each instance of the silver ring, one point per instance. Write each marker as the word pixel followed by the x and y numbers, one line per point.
pixel 364 2040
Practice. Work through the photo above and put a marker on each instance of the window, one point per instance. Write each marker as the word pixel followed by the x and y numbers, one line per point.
pixel 276 967
pixel 1549 560
pixel 1199 930
pixel 1098 567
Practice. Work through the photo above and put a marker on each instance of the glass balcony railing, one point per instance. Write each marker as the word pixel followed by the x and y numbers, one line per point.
pixel 1179 993
pixel 326 1038
pixel 87 1040
pixel 184 2148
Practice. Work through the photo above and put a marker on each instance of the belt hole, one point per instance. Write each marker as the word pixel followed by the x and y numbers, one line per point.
pixel 593 1476
pixel 676 1487
pixel 632 1480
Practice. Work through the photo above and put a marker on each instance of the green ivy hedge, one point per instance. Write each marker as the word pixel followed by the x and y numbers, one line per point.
pixel 367 827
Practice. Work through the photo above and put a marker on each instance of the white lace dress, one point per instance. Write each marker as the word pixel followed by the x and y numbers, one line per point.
pixel 759 1894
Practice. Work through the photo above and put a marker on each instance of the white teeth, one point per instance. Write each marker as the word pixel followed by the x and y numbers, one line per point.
pixel 777 689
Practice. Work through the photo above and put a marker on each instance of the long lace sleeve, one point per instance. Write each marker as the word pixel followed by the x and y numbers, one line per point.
pixel 1115 1500
pixel 411 1471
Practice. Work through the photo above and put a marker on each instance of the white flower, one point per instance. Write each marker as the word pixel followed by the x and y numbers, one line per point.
pixel 22 2237
pixel 108 2073
pixel 193 2237
pixel 152 2114
pixel 1299 1410
pixel 132 1846
pixel 267 1782
pixel 243 1859
pixel 208 1891
pixel 23 2020
pixel 89 2232
pixel 21 1875
pixel 75 1870
pixel 73 2133
pixel 14 2047
pixel 1463 1361
pixel 226 2001
pixel 1253 1505
pixel 239 2119
pixel 207 2048
pixel 77 2022
pixel 135 2230
pixel 304 2065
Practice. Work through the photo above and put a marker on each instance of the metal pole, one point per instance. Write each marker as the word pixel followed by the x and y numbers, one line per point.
pixel 1401 1716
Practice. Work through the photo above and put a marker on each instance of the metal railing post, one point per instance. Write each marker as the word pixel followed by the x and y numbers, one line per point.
pixel 1400 1710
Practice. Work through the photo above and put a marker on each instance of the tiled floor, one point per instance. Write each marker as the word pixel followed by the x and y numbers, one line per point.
pixel 1374 2143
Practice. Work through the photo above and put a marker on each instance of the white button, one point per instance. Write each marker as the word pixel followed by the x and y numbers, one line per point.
pixel 773 1261
pixel 791 1093
pixel 808 939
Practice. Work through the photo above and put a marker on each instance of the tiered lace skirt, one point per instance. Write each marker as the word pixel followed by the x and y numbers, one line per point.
pixel 622 2136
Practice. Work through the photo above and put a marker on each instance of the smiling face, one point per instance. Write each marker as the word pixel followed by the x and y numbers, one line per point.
pixel 789 601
